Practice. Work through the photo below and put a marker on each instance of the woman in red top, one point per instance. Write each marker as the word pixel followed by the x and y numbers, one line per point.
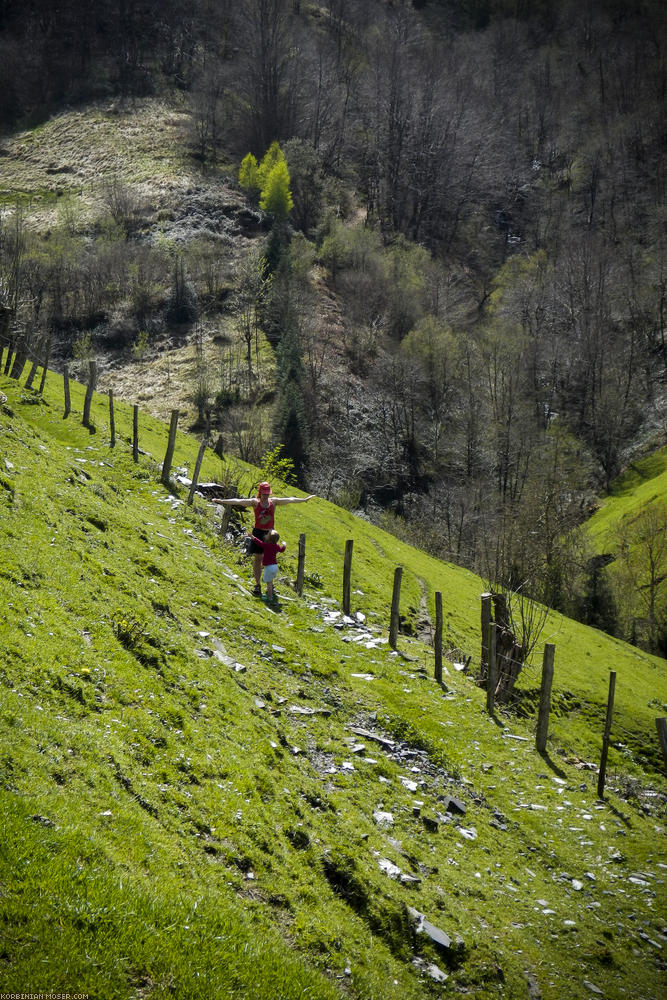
pixel 264 505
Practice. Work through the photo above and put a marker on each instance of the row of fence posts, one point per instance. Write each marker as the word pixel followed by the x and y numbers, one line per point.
pixel 489 627
pixel 18 351
pixel 173 427
pixel 489 634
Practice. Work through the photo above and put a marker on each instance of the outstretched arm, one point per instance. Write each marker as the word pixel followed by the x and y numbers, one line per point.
pixel 237 501
pixel 281 500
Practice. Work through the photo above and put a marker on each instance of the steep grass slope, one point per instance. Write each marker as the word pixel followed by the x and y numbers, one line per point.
pixel 188 809
pixel 640 485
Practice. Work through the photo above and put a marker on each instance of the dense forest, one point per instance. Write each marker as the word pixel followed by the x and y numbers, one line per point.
pixel 464 285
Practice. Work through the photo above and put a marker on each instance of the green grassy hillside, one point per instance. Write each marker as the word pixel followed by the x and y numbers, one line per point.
pixel 642 483
pixel 188 810
pixel 629 532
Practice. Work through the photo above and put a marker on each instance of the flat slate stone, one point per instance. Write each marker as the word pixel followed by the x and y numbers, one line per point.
pixel 367 734
pixel 389 868
pixel 453 805
pixel 425 926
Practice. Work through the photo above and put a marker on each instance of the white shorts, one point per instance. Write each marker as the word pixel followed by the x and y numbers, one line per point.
pixel 270 573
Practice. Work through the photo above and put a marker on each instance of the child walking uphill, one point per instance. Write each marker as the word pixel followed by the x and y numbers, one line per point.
pixel 264 505
pixel 271 546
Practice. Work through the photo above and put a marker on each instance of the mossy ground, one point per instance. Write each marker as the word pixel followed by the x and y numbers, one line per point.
pixel 178 824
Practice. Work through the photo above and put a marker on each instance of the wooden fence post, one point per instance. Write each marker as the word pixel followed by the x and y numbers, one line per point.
pixel 195 475
pixel 437 639
pixel 20 357
pixel 661 726
pixel 45 367
pixel 90 388
pixel 607 731
pixel 34 366
pixel 492 674
pixel 301 564
pixel 347 571
pixel 135 433
pixel 171 444
pixel 68 404
pixel 486 621
pixel 395 603
pixel 545 697
pixel 112 422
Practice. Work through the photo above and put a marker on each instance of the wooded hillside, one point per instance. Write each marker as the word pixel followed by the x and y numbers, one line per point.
pixel 460 326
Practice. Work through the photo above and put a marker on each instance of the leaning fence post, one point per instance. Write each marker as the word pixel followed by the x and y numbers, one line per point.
pixel 486 621
pixel 171 444
pixel 395 603
pixel 20 357
pixel 607 731
pixel 34 366
pixel 545 697
pixel 68 405
pixel 661 726
pixel 347 570
pixel 90 388
pixel 195 475
pixel 437 639
pixel 45 366
pixel 301 564
pixel 492 675
pixel 112 422
pixel 135 433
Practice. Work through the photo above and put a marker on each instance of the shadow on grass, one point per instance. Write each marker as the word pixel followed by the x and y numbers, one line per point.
pixel 618 814
pixel 544 754
pixel 273 606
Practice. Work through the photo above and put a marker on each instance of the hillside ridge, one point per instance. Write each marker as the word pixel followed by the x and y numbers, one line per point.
pixel 168 740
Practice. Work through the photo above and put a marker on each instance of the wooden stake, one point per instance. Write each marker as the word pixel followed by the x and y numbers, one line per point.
pixel 607 730
pixel 34 366
pixel 661 726
pixel 395 603
pixel 195 475
pixel 46 365
pixel 301 564
pixel 135 433
pixel 347 571
pixel 68 405
pixel 437 639
pixel 486 621
pixel 112 423
pixel 90 389
pixel 171 444
pixel 545 697
pixel 492 675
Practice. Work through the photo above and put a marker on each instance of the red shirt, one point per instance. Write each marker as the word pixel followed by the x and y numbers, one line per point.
pixel 264 515
pixel 271 549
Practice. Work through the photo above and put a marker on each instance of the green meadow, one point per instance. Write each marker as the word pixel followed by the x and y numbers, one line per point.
pixel 206 797
pixel 644 482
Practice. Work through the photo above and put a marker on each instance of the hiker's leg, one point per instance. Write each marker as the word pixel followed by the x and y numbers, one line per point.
pixel 257 567
pixel 270 573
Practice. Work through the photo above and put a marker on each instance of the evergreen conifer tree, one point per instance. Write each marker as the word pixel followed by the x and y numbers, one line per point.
pixel 276 197
pixel 290 417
